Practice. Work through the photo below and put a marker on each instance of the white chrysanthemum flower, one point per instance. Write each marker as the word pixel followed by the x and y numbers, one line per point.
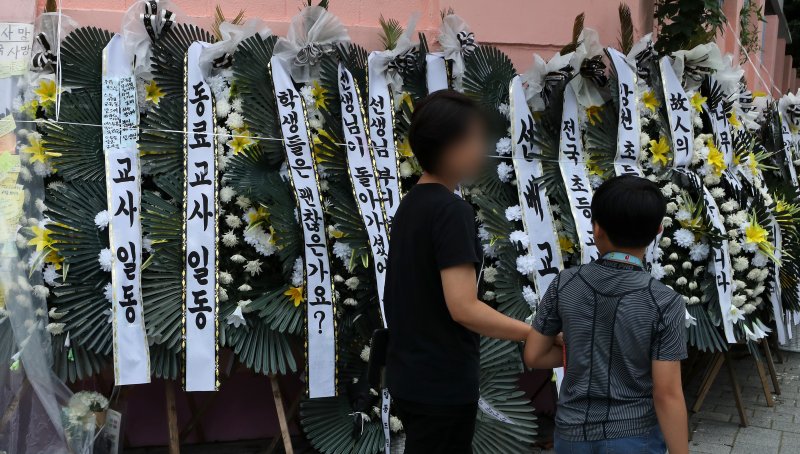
pixel 489 295
pixel 41 292
pixel 298 272
pixel 758 290
pixel 673 256
pixel 764 274
pixel 350 302
pixel 530 296
pixel 699 252
pixel 236 104
pixel 108 292
pixel 739 284
pixel 406 170
pixel 226 194
pixel 526 264
pixel 55 315
pixel 665 241
pixel 718 193
pixel 657 271
pixel 102 219
pixel 50 274
pixel 352 283
pixel 666 222
pixel 105 259
pixel 505 172
pixel 514 213
pixel 504 110
pixel 147 244
pixel 245 288
pixel 711 180
pixel 243 202
pixel 686 265
pixel 260 239
pixel 681 281
pixel 489 274
pixel 225 278
pixel 692 285
pixel 55 328
pixel 518 236
pixel 342 251
pixel 253 267
pixel 760 259
pixel 740 263
pixel 738 300
pixel 223 108
pixel 669 269
pixel 235 120
pixel 734 247
pixel 729 206
pixel 694 299
pixel 236 258
pixel 365 353
pixel 503 146
pixel 684 238
pixel 229 239
pixel 233 221
pixel 748 308
pixel 395 425
pixel 682 215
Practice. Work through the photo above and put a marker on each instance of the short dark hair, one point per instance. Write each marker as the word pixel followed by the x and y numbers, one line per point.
pixel 630 210
pixel 439 120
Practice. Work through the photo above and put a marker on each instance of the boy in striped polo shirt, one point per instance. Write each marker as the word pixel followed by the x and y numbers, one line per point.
pixel 623 332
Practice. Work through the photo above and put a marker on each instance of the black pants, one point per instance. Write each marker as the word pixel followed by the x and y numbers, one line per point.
pixel 437 429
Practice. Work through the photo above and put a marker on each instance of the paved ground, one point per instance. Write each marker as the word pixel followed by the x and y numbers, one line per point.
pixel 715 428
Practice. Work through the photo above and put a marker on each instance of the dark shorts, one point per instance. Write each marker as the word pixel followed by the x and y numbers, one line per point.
pixel 651 442
pixel 437 429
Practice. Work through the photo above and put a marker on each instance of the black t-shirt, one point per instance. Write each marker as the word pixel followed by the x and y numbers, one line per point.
pixel 431 358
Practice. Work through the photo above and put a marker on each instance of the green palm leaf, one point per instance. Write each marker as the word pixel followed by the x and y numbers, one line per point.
pixel 81 59
pixel 76 142
pixel 259 347
pixel 168 58
pixel 487 73
pixel 75 362
pixel 161 139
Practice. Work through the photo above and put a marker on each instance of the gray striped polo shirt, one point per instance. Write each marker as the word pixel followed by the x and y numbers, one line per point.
pixel 616 319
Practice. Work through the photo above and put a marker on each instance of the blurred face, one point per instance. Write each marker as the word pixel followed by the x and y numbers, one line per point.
pixel 464 159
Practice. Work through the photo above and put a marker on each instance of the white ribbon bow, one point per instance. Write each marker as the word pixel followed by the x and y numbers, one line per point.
pixel 391 61
pixel 533 79
pixel 587 92
pixel 691 66
pixel 457 42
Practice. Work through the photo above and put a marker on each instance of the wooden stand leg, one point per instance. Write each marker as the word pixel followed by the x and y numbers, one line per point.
pixel 172 418
pixel 278 398
pixel 776 386
pixel 762 376
pixel 737 391
pixel 708 380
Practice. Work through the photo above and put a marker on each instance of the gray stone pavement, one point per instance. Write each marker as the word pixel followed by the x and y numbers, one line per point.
pixel 772 430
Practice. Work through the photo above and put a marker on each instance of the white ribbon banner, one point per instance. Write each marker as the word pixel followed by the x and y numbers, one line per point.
pixel 788 151
pixel 536 215
pixel 362 176
pixel 576 176
pixel 723 138
pixel 489 410
pixel 381 135
pixel 200 224
pixel 628 127
pixel 680 119
pixel 319 286
pixel 721 265
pixel 436 72
pixel 775 294
pixel 123 186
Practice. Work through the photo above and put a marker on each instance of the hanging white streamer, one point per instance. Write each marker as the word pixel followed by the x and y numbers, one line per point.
pixel 722 137
pixel 576 177
pixel 788 149
pixel 436 72
pixel 200 229
pixel 626 161
pixel 321 346
pixel 381 135
pixel 775 295
pixel 123 183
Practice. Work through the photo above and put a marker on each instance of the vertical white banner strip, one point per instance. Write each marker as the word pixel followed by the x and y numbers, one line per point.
pixel 321 345
pixel 361 168
pixel 436 72
pixel 123 183
pixel 628 127
pixel 381 135
pixel 721 264
pixel 722 136
pixel 680 120
pixel 788 149
pixel 576 176
pixel 200 230
pixel 775 295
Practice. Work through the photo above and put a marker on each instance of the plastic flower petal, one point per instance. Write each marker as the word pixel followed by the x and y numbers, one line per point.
pixel 153 92
pixel 650 101
pixel 46 91
pixel 593 114
pixel 716 159
pixel 318 92
pixel 697 101
pixel 660 150
pixel 240 143
pixel 35 149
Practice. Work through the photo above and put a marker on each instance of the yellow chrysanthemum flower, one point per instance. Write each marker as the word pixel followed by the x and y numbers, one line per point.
pixel 153 92
pixel 650 101
pixel 734 120
pixel 716 159
pixel 697 101
pixel 660 151
pixel 240 142
pixel 593 114
pixel 755 234
pixel 752 163
pixel 46 91
pixel 35 149
pixel 295 294
pixel 41 238
pixel 257 215
pixel 405 148
pixel 565 244
pixel 318 92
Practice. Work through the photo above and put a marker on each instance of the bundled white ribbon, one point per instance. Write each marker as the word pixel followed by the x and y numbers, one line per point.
pixel 232 35
pixel 626 161
pixel 536 215
pixel 123 182
pixel 641 55
pixel 321 345
pixel 586 91
pixel 682 133
pixel 362 178
pixel 312 33
pixel 534 78
pixel 385 62
pixel 691 66
pixel 576 176
pixel 457 42
pixel 200 235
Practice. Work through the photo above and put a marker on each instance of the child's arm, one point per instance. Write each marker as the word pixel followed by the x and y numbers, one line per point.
pixel 670 405
pixel 459 284
pixel 542 352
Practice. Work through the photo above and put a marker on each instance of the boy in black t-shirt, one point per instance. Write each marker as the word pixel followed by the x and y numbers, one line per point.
pixel 623 332
pixel 432 308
